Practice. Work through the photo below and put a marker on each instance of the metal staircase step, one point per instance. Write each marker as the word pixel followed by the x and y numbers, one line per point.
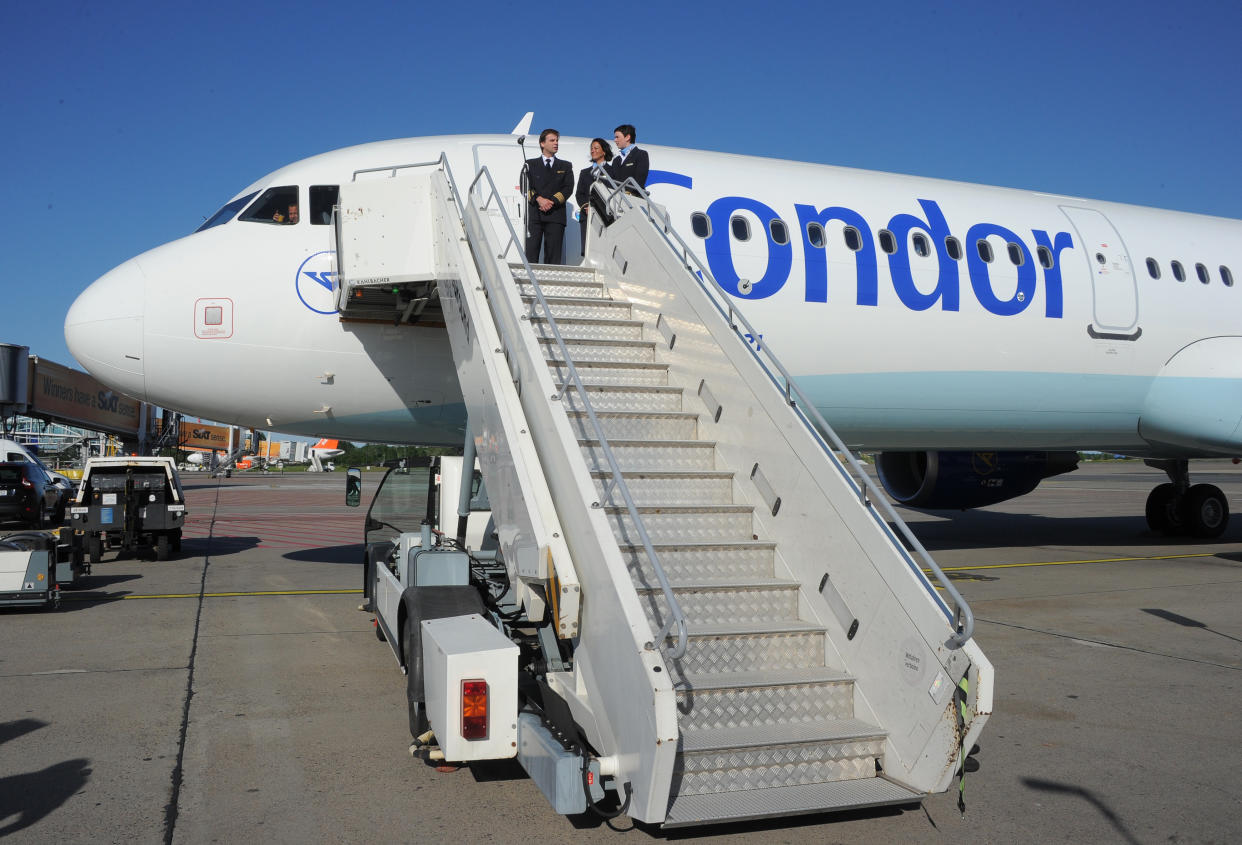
pixel 611 373
pixel 742 699
pixel 624 397
pixel 648 454
pixel 581 328
pixel 703 562
pixel 555 272
pixel 564 287
pixel 803 799
pixel 609 351
pixel 637 425
pixel 775 754
pixel 736 601
pixel 572 306
pixel 673 488
pixel 747 646
pixel 684 523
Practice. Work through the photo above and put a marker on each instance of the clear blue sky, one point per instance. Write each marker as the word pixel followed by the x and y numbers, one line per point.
pixel 126 123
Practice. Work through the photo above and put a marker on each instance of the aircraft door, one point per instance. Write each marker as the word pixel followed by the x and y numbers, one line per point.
pixel 1114 288
pixel 504 162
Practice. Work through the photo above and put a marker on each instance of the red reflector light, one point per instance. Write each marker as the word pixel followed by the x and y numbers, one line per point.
pixel 474 709
pixel 26 482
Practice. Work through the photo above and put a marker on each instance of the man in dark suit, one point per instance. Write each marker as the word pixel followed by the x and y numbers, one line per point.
pixel 549 182
pixel 631 162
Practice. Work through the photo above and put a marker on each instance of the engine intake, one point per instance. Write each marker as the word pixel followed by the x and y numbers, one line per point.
pixel 962 480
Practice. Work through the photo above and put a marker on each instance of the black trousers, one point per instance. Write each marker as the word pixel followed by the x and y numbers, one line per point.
pixel 551 236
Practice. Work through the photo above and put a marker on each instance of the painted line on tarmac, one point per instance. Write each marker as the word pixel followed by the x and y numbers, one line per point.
pixel 88 597
pixel 1070 562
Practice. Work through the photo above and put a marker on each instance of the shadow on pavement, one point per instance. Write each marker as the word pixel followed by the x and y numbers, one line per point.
pixel 351 553
pixel 35 795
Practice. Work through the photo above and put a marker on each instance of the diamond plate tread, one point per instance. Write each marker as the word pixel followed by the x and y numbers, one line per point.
pixel 723 585
pixel 553 272
pixel 724 602
pixel 673 488
pixel 582 328
pixel 693 523
pixel 621 372
pixel 571 306
pixel 802 799
pixel 564 287
pixel 608 351
pixel 624 397
pixel 648 454
pixel 637 425
pixel 703 681
pixel 695 740
pixel 703 561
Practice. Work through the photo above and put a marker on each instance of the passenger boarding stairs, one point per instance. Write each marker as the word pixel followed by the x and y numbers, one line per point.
pixel 754 638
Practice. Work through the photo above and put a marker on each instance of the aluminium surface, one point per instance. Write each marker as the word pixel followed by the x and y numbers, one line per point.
pixel 1118 655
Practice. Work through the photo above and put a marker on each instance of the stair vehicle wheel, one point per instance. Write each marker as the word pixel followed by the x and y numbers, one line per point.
pixel 413 686
pixel 176 541
pixel 162 546
pixel 1163 512
pixel 1206 511
pixel 94 549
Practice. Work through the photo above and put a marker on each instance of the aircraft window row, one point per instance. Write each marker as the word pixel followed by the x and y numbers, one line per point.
pixel 1201 270
pixel 701 226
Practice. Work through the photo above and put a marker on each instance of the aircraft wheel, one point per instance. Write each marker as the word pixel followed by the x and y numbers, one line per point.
pixel 1206 511
pixel 1163 512
pixel 94 549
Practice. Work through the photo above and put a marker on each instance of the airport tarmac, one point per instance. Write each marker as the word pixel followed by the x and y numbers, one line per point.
pixel 236 693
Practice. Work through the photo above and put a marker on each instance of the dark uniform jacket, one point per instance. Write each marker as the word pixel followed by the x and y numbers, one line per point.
pixel 556 183
pixel 586 178
pixel 635 166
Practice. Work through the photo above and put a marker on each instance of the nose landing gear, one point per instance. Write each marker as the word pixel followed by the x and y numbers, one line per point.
pixel 1178 508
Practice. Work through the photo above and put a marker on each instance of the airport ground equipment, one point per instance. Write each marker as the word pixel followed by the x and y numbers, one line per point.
pixel 35 566
pixel 716 611
pixel 129 503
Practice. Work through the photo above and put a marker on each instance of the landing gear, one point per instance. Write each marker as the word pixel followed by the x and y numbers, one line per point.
pixel 1178 509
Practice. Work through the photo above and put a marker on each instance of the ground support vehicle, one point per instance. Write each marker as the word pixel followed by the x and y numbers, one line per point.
pixel 128 504
pixel 35 566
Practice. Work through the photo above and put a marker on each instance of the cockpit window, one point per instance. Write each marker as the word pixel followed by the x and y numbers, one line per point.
pixel 322 200
pixel 276 205
pixel 225 214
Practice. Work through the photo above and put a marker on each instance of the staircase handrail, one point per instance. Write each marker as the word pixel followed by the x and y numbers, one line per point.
pixel 613 194
pixel 677 617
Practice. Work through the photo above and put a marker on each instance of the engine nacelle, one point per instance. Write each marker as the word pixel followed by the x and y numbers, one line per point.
pixel 961 480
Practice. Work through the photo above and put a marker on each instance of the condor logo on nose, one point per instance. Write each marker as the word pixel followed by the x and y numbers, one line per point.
pixel 314 282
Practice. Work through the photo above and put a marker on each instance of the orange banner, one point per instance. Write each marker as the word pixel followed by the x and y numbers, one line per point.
pixel 75 397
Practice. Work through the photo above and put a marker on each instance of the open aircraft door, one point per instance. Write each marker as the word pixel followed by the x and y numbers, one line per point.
pixel 504 162
pixel 1115 291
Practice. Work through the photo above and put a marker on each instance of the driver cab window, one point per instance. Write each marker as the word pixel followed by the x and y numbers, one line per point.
pixel 276 205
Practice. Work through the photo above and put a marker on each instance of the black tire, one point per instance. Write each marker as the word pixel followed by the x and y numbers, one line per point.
pixel 94 549
pixel 162 547
pixel 1206 511
pixel 176 541
pixel 414 683
pixel 379 630
pixel 1164 512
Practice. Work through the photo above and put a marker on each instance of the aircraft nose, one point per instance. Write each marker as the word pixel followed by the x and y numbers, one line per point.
pixel 104 328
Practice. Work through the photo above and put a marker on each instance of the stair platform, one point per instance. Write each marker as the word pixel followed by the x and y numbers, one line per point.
pixel 802 799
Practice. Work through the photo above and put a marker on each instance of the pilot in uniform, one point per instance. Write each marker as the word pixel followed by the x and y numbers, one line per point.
pixel 549 182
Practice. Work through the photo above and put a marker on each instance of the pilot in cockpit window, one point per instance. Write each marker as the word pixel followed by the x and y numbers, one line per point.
pixel 275 205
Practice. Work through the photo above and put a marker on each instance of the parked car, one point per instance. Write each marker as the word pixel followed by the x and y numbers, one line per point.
pixel 28 494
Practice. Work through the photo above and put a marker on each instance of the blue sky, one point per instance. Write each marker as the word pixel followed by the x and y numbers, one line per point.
pixel 125 124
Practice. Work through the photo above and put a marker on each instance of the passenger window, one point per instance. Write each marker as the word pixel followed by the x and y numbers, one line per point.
pixel 853 238
pixel 226 213
pixel 985 250
pixel 780 233
pixel 322 200
pixel 1226 276
pixel 1015 255
pixel 275 205
pixel 1153 268
pixel 1178 272
pixel 1045 257
pixel 887 242
pixel 921 246
pixel 700 225
pixel 741 228
pixel 954 247
pixel 1202 272
pixel 815 235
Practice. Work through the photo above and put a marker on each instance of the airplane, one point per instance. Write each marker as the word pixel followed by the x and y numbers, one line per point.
pixel 321 452
pixel 976 338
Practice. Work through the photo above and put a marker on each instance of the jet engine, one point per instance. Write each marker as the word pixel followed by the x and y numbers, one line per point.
pixel 962 480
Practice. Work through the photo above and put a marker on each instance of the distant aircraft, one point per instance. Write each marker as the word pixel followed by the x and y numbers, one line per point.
pixel 321 452
pixel 976 337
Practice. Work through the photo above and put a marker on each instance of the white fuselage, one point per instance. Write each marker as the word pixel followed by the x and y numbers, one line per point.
pixel 900 344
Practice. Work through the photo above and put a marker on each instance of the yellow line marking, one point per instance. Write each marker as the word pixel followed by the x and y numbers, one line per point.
pixel 251 593
pixel 1069 562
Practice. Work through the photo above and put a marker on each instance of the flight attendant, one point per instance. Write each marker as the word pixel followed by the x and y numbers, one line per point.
pixel 601 154
pixel 549 182
pixel 631 162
